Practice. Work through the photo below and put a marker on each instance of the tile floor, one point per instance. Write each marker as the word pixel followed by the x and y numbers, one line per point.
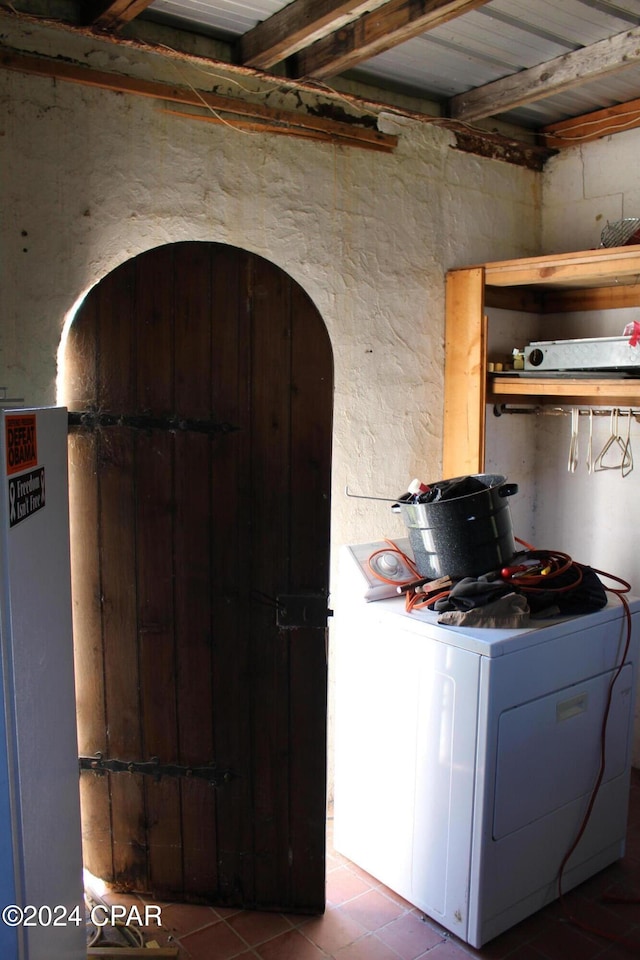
pixel 366 921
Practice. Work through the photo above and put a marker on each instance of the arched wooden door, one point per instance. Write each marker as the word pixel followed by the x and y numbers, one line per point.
pixel 200 471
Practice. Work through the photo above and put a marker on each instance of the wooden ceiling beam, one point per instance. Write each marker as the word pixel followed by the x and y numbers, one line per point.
pixel 563 73
pixel 293 27
pixel 118 12
pixel 389 25
pixel 334 131
pixel 592 126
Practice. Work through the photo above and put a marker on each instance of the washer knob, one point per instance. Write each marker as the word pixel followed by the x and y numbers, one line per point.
pixel 388 564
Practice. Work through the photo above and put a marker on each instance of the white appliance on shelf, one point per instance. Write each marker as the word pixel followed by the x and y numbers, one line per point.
pixel 465 757
pixel 589 353
pixel 40 838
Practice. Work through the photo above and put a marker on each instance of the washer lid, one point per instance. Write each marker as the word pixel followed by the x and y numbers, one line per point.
pixel 491 642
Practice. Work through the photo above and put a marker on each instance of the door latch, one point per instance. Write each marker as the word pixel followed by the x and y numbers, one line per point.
pixel 302 610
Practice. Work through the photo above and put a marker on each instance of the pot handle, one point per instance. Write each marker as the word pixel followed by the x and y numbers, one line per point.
pixel 508 489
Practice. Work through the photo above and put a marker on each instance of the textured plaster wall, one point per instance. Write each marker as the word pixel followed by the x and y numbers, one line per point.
pixel 596 514
pixel 594 517
pixel 92 178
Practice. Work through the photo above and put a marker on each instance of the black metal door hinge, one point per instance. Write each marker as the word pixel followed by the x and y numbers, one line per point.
pixel 153 768
pixel 92 419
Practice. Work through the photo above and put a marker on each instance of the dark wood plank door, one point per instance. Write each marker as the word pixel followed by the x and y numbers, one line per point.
pixel 200 476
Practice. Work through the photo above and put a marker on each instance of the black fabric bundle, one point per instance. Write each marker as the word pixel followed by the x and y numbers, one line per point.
pixel 500 603
pixel 469 593
pixel 587 596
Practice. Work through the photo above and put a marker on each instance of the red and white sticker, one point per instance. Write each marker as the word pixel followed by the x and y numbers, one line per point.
pixel 21 442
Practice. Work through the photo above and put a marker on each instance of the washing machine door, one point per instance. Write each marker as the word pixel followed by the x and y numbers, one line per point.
pixel 549 750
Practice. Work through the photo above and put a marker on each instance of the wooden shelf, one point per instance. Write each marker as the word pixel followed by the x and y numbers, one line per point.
pixel 590 391
pixel 599 279
pixel 615 265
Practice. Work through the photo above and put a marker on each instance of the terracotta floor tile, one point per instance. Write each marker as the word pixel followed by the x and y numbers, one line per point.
pixel 599 918
pixel 505 943
pixel 359 872
pixel 447 950
pixel 373 910
pixel 334 859
pixel 368 948
pixel 255 926
pixel 626 913
pixel 522 952
pixel 409 936
pixel 290 946
pixel 226 912
pixel 218 942
pixel 622 951
pixel 344 884
pixel 367 921
pixel 297 920
pixel 181 919
pixel 334 930
pixel 395 897
pixel 562 941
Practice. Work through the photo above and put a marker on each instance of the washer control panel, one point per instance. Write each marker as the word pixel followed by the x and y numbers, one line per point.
pixel 377 569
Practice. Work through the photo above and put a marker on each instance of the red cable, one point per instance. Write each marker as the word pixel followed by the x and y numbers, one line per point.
pixel 558 562
pixel 626 587
pixel 417 600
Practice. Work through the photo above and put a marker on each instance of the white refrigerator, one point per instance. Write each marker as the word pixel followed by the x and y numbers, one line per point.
pixel 41 892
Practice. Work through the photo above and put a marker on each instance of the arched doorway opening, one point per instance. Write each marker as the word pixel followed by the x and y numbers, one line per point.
pixel 200 379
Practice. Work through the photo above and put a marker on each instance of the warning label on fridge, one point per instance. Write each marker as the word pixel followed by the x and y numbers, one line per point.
pixel 26 495
pixel 22 443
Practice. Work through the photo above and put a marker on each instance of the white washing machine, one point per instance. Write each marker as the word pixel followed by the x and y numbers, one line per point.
pixel 465 758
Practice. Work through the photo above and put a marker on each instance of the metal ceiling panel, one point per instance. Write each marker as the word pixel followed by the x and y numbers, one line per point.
pixel 578 22
pixel 495 41
pixel 569 23
pixel 502 38
pixel 225 18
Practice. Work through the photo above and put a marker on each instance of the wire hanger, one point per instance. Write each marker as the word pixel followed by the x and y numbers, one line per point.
pixel 573 446
pixel 615 442
pixel 627 466
pixel 590 443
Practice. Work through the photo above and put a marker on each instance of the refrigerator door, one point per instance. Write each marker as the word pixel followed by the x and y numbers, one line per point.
pixel 40 845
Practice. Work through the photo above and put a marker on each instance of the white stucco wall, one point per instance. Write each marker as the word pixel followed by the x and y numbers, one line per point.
pixel 92 178
pixel 594 517
pixel 598 514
